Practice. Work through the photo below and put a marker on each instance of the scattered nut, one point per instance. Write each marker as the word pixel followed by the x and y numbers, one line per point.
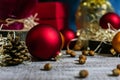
pixel 83 73
pixel 77 47
pixel 85 52
pixel 91 53
pixel 116 72
pixel 83 57
pixel 69 51
pixel 73 54
pixel 82 61
pixel 47 66
pixel 118 66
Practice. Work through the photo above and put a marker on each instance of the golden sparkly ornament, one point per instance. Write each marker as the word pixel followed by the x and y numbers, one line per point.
pixel 87 17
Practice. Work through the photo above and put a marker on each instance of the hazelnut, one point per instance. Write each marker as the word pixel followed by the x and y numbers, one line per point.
pixel 91 53
pixel 47 66
pixel 82 61
pixel 118 66
pixel 116 72
pixel 69 51
pixel 83 73
pixel 77 47
pixel 73 54
pixel 85 52
pixel 83 57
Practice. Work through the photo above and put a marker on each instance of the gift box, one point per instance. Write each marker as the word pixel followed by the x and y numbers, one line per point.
pixel 57 23
pixel 52 13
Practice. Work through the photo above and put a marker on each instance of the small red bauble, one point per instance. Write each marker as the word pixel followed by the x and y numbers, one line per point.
pixel 111 18
pixel 68 36
pixel 43 42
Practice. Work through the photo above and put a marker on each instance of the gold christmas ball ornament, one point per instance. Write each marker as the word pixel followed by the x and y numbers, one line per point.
pixel 89 10
pixel 116 42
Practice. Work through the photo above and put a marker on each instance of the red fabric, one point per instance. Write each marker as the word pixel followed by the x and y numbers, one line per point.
pixel 57 23
pixel 51 10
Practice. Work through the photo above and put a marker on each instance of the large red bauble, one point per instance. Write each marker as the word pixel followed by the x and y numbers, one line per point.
pixel 111 18
pixel 68 35
pixel 43 42
pixel 16 8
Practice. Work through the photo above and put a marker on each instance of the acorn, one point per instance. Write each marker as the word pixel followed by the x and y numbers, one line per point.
pixel 83 73
pixel 116 72
pixel 47 66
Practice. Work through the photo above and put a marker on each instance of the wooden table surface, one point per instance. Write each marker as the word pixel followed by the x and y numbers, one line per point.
pixel 67 68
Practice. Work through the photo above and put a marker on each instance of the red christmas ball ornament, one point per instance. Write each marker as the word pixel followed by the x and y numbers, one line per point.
pixel 111 18
pixel 68 35
pixel 43 42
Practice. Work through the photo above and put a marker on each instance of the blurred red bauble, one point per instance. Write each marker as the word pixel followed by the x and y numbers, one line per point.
pixel 111 18
pixel 68 35
pixel 43 42
pixel 14 26
pixel 16 8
